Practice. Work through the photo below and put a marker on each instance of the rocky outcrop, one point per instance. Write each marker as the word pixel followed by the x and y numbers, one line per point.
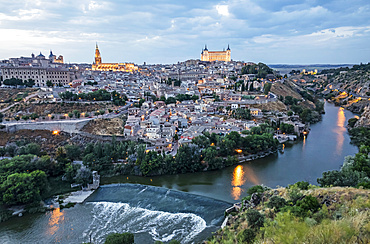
pixel 364 120
pixel 104 127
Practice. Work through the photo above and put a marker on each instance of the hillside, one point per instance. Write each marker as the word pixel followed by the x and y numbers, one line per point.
pixel 364 120
pixel 355 81
pixel 285 89
pixel 104 126
pixel 271 106
pixel 300 214
pixel 349 88
pixel 293 91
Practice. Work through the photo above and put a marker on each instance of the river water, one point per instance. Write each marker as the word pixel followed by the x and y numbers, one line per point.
pixel 186 207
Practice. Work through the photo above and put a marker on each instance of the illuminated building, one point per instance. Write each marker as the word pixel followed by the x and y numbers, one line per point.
pixel 58 76
pixel 100 66
pixel 216 55
pixel 53 58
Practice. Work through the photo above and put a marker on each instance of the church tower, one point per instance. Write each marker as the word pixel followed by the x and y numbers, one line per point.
pixel 228 53
pixel 204 55
pixel 97 55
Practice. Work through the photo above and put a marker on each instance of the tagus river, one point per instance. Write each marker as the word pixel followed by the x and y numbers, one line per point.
pixel 187 207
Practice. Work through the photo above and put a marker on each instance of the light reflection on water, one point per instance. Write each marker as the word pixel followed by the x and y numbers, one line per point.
pixel 241 174
pixel 56 218
pixel 237 181
pixel 340 130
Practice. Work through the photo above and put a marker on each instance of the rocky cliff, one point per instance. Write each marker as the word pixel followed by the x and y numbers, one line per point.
pixel 364 120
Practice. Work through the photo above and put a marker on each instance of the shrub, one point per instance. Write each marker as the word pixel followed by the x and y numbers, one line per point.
pixel 246 236
pixel 294 194
pixel 116 238
pixel 307 205
pixel 276 202
pixel 303 185
pixel 255 219
pixel 257 189
pixel 352 122
pixel 364 184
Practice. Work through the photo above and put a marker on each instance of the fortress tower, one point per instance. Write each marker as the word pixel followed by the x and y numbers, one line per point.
pixel 211 56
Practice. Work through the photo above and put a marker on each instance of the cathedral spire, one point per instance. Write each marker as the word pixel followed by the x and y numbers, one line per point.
pixel 228 47
pixel 97 54
pixel 205 48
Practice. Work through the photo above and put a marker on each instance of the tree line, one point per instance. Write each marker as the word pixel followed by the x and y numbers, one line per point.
pixel 19 82
pixel 99 95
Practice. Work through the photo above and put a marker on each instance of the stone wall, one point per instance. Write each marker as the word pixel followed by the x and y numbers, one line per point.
pixel 66 126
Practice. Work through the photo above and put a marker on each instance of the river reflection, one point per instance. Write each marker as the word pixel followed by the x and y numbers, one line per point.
pixel 240 175
pixel 340 130
pixel 56 218
pixel 237 181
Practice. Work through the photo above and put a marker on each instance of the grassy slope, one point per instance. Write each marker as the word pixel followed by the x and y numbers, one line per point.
pixel 345 220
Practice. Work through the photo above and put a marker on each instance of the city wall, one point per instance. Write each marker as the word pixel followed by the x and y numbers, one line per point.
pixel 69 127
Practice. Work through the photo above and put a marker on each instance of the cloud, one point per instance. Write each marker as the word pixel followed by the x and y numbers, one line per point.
pixel 171 31
pixel 223 10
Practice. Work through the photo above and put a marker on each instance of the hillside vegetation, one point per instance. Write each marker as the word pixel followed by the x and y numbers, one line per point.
pixel 300 214
pixel 355 79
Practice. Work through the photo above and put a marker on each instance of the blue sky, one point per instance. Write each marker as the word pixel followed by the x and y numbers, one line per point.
pixel 168 31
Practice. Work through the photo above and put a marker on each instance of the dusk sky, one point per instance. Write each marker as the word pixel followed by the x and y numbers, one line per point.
pixel 168 31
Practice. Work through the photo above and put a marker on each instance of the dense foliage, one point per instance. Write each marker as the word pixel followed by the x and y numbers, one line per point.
pixel 25 177
pixel 260 69
pixel 19 82
pixel 241 113
pixel 179 97
pixel 99 95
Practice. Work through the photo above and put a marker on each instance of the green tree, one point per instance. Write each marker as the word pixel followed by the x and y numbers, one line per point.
pixel 29 83
pixel 34 116
pixel 76 113
pixel 73 152
pixel 255 219
pixel 33 148
pixel 287 128
pixel 170 100
pixel 188 159
pixel 151 163
pixel 267 88
pixel 276 202
pixel 49 83
pixel 116 238
pixel 23 188
pixel 246 236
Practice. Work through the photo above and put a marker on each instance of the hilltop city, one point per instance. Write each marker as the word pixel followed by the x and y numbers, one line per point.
pixel 165 105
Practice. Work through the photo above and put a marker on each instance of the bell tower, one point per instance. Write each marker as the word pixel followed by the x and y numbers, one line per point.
pixel 97 55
